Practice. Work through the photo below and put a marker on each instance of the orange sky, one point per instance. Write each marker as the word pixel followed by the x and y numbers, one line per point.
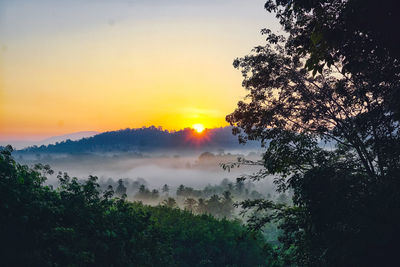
pixel 99 65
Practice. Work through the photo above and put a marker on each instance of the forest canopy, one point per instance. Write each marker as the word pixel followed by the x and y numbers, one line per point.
pixel 79 225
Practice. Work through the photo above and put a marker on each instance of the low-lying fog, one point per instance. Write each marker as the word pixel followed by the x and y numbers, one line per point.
pixel 196 170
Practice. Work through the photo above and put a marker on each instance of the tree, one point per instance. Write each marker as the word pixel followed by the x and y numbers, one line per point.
pixel 136 184
pixel 227 204
pixel 165 189
pixel 295 110
pixel 225 183
pixel 169 202
pixel 190 204
pixel 326 29
pixel 143 193
pixel 121 189
pixel 214 206
pixel 201 207
pixel 142 189
pixel 180 191
pixel 325 113
pixel 206 156
pixel 155 194
pixel 78 225
pixel 239 186
pixel 328 32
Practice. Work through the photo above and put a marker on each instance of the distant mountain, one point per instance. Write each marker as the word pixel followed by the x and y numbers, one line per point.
pixel 72 137
pixel 20 144
pixel 148 139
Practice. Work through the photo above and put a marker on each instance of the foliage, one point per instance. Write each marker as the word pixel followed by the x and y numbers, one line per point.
pixel 190 204
pixel 295 110
pixel 326 102
pixel 77 225
pixel 186 191
pixel 326 32
pixel 170 203
pixel 121 189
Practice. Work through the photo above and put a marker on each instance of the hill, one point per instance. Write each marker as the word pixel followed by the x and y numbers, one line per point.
pixel 21 144
pixel 148 139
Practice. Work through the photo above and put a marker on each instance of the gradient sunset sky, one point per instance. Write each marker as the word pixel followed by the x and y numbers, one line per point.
pixel 100 65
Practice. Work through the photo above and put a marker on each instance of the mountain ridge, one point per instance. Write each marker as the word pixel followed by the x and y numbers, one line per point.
pixel 147 139
pixel 22 144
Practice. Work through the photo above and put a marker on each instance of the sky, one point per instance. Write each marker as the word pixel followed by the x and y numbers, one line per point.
pixel 102 65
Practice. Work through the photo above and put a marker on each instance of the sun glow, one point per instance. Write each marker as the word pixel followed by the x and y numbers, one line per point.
pixel 110 72
pixel 198 127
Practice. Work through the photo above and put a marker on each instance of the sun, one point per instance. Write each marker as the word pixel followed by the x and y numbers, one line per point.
pixel 198 127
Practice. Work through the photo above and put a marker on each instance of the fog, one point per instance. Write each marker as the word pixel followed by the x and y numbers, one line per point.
pixel 196 170
pixel 192 181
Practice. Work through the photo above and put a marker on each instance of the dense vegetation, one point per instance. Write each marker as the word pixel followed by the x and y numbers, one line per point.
pixel 77 224
pixel 333 77
pixel 216 200
pixel 145 139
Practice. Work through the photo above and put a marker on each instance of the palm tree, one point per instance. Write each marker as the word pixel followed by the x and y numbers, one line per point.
pixel 201 207
pixel 190 204
pixel 170 203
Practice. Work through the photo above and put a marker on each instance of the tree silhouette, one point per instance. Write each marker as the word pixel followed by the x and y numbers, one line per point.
pixel 214 205
pixel 180 191
pixel 328 32
pixel 227 204
pixel 155 194
pixel 327 104
pixel 143 193
pixel 239 186
pixel 165 189
pixel 121 189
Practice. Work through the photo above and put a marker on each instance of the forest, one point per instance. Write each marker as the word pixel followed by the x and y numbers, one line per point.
pixel 76 224
pixel 323 104
pixel 146 139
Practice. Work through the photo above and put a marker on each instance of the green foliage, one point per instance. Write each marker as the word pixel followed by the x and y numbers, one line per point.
pixel 78 225
pixel 204 240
